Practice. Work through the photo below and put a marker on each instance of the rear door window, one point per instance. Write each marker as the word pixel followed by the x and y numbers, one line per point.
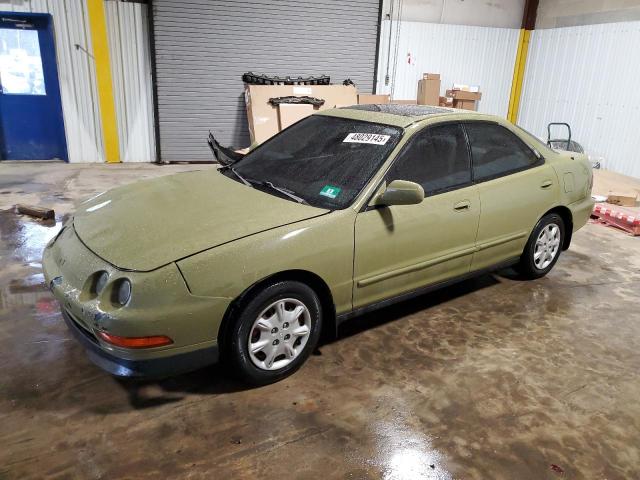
pixel 496 151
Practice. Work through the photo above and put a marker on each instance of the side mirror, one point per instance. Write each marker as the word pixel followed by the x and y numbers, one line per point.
pixel 401 192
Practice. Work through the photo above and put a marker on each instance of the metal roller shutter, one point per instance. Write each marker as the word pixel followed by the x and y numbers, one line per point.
pixel 202 47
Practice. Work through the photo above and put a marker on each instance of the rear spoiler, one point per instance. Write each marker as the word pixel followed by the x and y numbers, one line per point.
pixel 224 155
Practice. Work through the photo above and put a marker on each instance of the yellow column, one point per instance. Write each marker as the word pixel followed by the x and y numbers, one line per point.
pixel 98 26
pixel 518 75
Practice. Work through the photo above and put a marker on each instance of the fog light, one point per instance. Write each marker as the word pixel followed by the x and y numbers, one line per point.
pixel 136 342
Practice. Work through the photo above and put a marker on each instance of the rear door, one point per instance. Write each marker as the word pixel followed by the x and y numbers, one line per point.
pixel 516 188
pixel 404 247
pixel 31 125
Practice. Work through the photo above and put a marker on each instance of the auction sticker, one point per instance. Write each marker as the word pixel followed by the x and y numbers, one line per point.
pixel 330 191
pixel 371 138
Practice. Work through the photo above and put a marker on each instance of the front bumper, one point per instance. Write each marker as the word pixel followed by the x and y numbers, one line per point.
pixel 161 304
pixel 155 367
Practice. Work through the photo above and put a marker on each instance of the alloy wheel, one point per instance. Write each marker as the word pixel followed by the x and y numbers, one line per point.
pixel 547 246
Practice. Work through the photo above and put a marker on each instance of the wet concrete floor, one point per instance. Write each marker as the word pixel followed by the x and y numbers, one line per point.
pixel 494 378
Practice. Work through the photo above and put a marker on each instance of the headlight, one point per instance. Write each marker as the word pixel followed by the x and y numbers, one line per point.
pixel 122 292
pixel 101 282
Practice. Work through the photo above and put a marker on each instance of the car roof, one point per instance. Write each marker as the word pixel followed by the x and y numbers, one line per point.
pixel 399 115
pixel 405 110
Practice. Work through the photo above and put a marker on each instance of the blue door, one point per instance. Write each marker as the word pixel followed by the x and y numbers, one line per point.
pixel 31 125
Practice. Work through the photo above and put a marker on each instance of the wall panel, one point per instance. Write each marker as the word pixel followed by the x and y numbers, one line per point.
pixel 587 76
pixel 127 29
pixel 461 54
pixel 482 13
pixel 76 72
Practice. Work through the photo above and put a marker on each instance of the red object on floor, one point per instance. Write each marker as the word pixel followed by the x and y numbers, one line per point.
pixel 627 221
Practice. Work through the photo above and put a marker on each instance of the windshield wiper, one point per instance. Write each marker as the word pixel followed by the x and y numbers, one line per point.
pixel 284 191
pixel 265 183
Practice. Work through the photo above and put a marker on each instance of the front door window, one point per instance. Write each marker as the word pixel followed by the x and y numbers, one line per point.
pixel 436 158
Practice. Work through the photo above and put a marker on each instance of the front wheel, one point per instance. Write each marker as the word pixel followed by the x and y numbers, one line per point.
pixel 274 332
pixel 543 248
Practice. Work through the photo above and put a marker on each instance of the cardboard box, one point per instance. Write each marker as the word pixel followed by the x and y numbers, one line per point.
pixel 462 95
pixel 466 88
pixel 465 104
pixel 404 102
pixel 289 113
pixel 623 199
pixel 368 99
pixel 429 89
pixel 263 117
pixel 446 102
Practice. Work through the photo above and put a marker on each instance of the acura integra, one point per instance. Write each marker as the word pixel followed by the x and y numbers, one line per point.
pixel 346 211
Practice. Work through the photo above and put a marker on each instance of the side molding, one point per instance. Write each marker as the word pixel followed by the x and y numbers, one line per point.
pixel 444 258
pixel 421 291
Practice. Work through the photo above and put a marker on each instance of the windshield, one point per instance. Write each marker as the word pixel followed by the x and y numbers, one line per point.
pixel 323 161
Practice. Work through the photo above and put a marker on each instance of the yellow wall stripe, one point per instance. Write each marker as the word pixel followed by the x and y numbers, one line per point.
pixel 98 26
pixel 518 75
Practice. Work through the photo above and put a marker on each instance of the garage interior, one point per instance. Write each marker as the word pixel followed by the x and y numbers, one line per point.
pixel 492 377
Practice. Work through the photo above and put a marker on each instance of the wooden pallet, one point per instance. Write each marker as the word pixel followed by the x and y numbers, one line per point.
pixel 616 217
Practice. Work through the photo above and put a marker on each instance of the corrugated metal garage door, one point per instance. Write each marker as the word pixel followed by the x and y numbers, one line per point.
pixel 203 47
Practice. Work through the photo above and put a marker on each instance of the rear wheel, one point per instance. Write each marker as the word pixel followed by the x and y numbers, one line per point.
pixel 273 332
pixel 543 248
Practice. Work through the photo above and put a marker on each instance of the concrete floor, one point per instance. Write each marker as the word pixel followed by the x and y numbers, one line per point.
pixel 493 378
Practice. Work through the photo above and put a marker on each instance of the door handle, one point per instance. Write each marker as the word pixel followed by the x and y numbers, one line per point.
pixel 546 184
pixel 462 206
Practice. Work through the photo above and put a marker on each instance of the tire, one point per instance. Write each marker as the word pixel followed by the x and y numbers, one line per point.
pixel 266 341
pixel 540 255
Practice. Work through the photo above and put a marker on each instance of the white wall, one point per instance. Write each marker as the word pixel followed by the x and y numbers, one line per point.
pixel 486 13
pixel 588 77
pixel 127 29
pixel 461 54
pixel 128 40
pixel 570 13
pixel 76 72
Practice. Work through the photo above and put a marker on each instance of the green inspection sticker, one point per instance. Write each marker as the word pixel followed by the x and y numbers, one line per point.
pixel 330 191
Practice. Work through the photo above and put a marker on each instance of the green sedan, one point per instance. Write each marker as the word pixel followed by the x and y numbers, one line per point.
pixel 346 211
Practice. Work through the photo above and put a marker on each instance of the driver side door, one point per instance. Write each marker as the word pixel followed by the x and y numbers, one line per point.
pixel 401 248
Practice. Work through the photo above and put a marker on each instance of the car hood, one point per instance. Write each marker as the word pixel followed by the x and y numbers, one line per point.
pixel 150 223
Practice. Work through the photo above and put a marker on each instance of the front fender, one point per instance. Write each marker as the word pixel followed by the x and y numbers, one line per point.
pixel 322 245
